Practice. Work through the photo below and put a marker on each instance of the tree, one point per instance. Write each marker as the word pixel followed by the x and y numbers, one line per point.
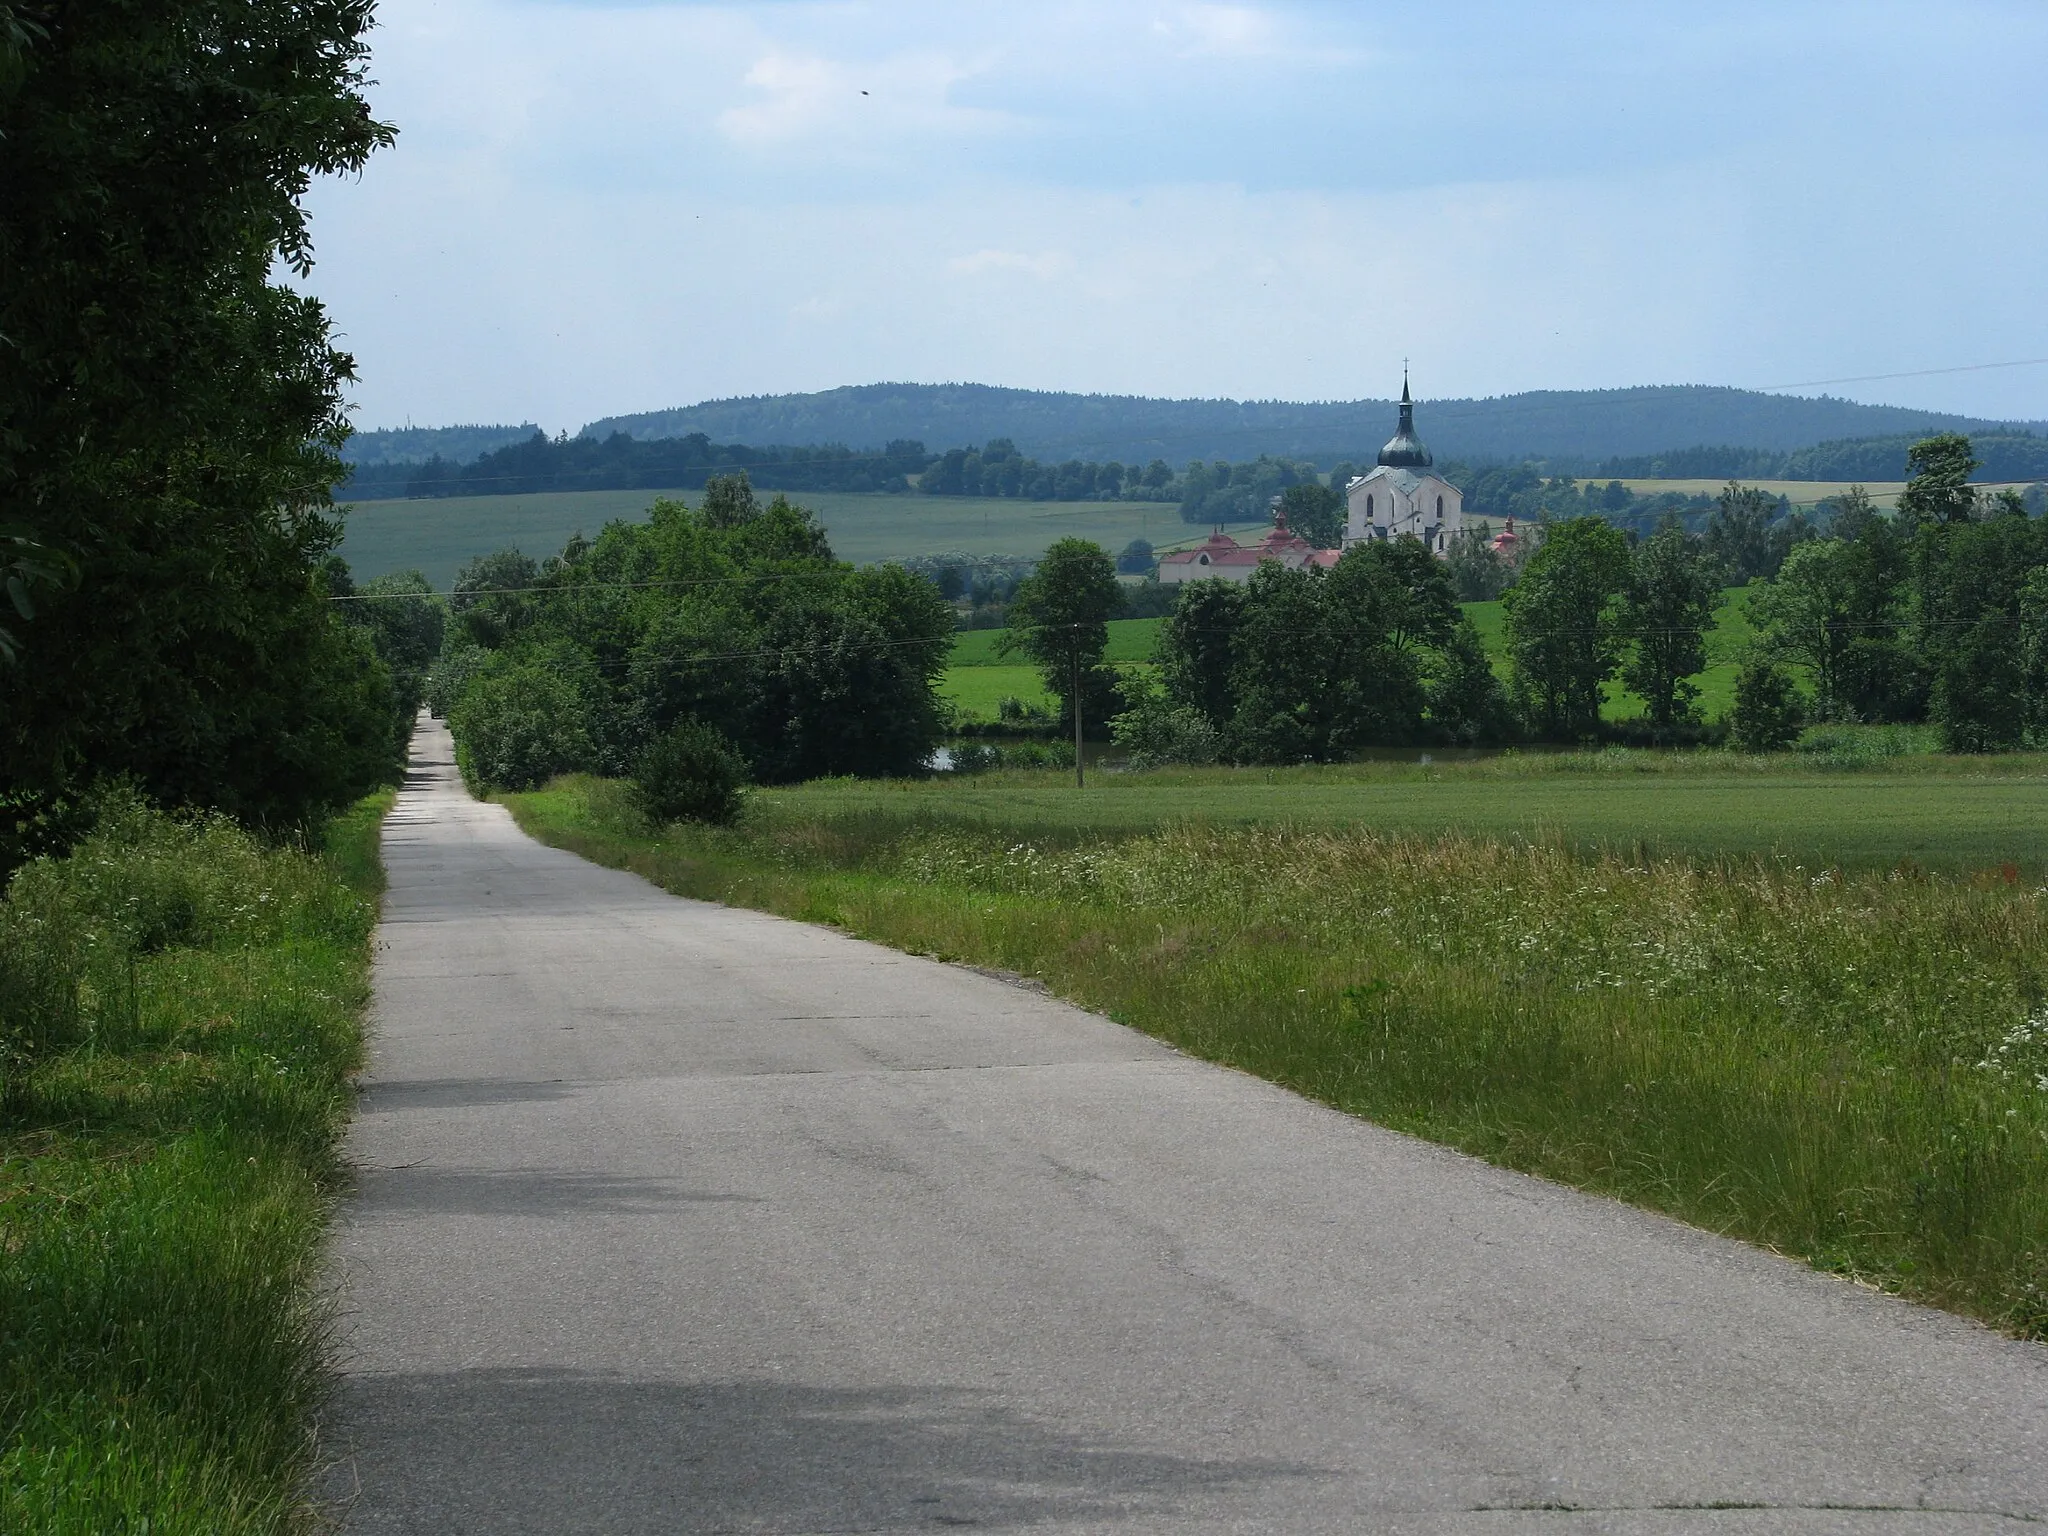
pixel 1315 512
pixel 1060 619
pixel 1478 573
pixel 25 568
pixel 1197 649
pixel 1136 560
pixel 1738 536
pixel 1809 616
pixel 1980 693
pixel 1562 619
pixel 1667 608
pixel 518 726
pixel 1767 711
pixel 168 415
pixel 405 622
pixel 1938 488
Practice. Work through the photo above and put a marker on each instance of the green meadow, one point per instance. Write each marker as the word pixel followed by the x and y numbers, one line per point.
pixel 1843 803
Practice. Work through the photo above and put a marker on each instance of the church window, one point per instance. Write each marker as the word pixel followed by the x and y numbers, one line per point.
pixel 1368 507
pixel 1439 506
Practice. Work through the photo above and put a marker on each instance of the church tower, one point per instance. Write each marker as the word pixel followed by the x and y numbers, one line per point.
pixel 1401 497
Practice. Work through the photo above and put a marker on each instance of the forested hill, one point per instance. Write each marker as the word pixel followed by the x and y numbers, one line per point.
pixel 1585 426
pixel 458 445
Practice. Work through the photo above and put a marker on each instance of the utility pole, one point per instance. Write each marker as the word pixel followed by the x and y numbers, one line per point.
pixel 1079 781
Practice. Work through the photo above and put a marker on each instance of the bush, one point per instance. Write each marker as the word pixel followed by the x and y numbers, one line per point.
pixel 690 773
pixel 518 728
pixel 976 757
pixel 1040 754
pixel 1768 711
pixel 1156 732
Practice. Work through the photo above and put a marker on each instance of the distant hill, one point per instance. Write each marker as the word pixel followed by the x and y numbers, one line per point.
pixel 2001 456
pixel 1579 428
pixel 458 445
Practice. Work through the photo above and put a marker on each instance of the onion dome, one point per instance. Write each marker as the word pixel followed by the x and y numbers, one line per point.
pixel 1405 450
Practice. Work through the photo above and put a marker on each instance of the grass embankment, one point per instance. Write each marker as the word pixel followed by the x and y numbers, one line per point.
pixel 1846 1067
pixel 179 1013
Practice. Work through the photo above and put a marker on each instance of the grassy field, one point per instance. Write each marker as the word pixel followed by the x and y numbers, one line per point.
pixel 1802 493
pixel 437 536
pixel 1850 1067
pixel 1847 807
pixel 179 1014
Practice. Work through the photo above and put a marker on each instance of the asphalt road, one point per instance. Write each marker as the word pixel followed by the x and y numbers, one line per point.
pixel 675 1218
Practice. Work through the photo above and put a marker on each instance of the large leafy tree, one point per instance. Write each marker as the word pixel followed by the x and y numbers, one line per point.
pixel 1668 605
pixel 1314 511
pixel 733 616
pixel 1060 619
pixel 1197 649
pixel 168 414
pixel 1563 621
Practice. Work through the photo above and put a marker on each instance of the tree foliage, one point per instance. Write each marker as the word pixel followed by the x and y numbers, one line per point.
pixel 734 615
pixel 1666 610
pixel 1060 620
pixel 168 414
pixel 1564 620
pixel 1313 665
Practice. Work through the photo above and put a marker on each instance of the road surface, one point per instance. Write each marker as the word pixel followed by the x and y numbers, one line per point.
pixel 675 1218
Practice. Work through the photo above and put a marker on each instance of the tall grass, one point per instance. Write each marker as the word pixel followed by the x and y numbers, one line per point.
pixel 179 1012
pixel 1849 1068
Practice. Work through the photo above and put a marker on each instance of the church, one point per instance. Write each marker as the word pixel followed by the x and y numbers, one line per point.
pixel 1401 496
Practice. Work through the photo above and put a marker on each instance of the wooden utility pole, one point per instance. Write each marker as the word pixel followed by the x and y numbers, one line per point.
pixel 1079 781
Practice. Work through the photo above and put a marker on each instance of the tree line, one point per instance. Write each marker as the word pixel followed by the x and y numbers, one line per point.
pixel 1938 613
pixel 169 417
pixel 2002 456
pixel 541 463
pixel 731 623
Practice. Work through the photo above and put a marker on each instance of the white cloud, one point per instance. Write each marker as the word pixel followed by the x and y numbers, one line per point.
pixel 838 106
pixel 603 208
pixel 1044 266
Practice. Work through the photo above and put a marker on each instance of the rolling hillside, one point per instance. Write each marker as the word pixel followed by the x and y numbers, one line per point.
pixel 1590 425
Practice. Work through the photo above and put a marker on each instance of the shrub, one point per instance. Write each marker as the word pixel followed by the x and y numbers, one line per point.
pixel 1040 754
pixel 1768 712
pixel 1017 711
pixel 690 773
pixel 520 727
pixel 976 757
pixel 1156 732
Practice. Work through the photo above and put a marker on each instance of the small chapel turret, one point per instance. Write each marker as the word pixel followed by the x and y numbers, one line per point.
pixel 1400 497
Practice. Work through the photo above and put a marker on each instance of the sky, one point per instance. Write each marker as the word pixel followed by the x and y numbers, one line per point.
pixel 599 208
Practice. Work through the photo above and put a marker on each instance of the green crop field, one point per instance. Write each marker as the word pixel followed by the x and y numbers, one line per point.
pixel 1939 813
pixel 437 536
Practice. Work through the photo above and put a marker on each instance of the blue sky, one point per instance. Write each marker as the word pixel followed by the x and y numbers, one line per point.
pixel 597 208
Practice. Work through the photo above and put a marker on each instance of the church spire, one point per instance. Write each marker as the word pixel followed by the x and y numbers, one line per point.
pixel 1405 450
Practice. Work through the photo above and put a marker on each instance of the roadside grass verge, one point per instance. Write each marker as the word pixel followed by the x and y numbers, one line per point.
pixel 1849 1068
pixel 179 1014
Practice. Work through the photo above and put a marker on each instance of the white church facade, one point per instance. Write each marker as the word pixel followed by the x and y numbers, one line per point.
pixel 1401 496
